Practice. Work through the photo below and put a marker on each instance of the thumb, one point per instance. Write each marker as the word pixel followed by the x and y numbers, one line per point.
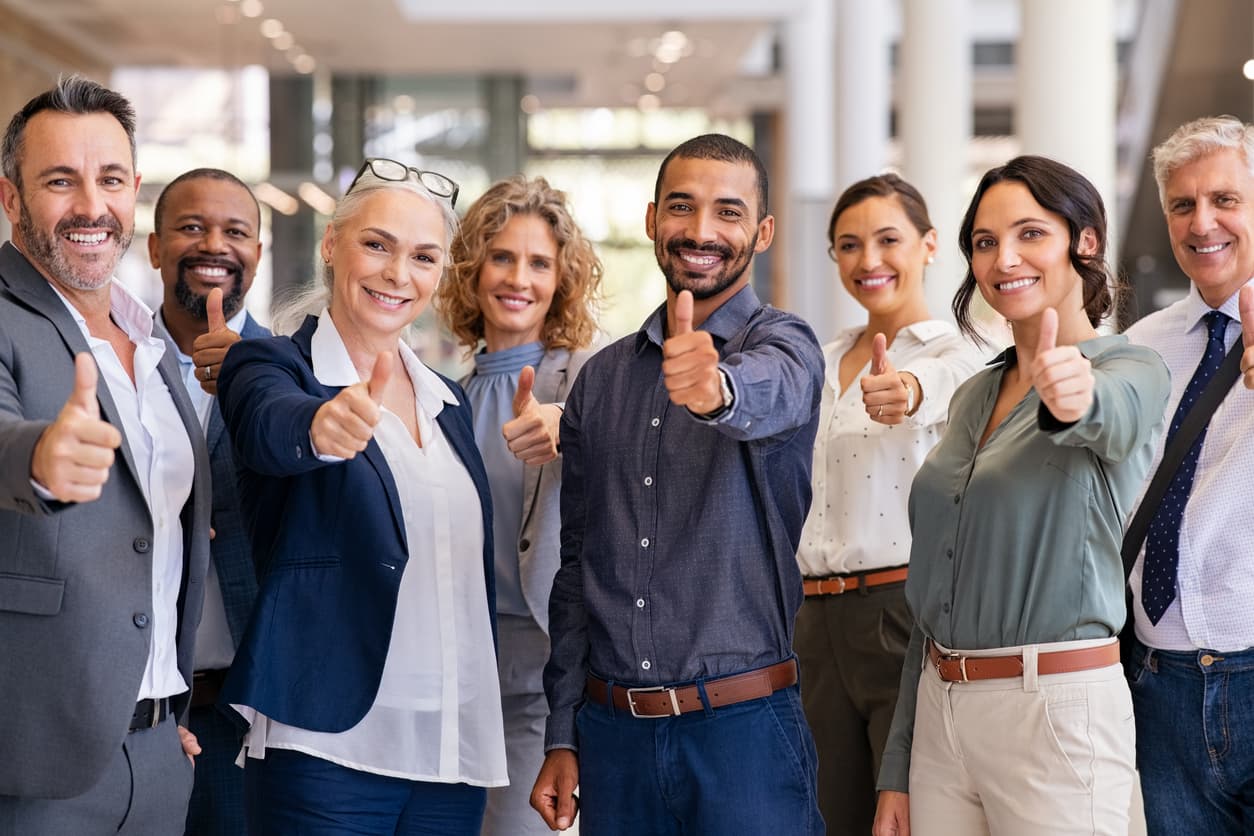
pixel 213 308
pixel 879 354
pixel 526 379
pixel 683 313
pixel 379 376
pixel 85 375
pixel 1247 315
pixel 1048 338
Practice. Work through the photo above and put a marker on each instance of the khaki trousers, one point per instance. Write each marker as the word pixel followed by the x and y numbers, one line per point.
pixel 1027 756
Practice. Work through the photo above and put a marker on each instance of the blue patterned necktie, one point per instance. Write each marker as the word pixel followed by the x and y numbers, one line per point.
pixel 1162 544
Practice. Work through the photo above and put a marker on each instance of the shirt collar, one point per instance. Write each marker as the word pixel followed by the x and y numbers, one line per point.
pixel 333 367
pixel 126 309
pixel 235 323
pixel 1195 307
pixel 725 322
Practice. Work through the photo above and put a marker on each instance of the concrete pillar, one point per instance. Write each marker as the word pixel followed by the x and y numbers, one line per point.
pixel 294 237
pixel 506 149
pixel 1066 68
pixel 934 114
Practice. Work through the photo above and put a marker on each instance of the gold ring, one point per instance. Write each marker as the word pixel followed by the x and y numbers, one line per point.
pixel 881 412
pixel 208 373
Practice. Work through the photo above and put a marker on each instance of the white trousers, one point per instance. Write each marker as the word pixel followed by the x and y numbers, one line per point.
pixel 1025 756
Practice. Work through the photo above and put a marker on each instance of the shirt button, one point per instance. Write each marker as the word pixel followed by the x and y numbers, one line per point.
pixel 655 422
pixel 949 553
pixel 640 603
pixel 644 544
pixel 1207 660
pixel 524 544
pixel 957 499
pixel 945 608
pixel 648 480
pixel 140 620
pixel 646 664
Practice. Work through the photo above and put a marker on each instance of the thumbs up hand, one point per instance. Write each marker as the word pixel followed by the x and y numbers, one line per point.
pixel 73 456
pixel 690 364
pixel 343 426
pixel 533 433
pixel 1062 376
pixel 209 349
pixel 886 391
pixel 1247 335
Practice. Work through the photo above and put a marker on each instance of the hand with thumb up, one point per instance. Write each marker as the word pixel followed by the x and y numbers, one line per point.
pixel 532 435
pixel 1247 335
pixel 73 456
pixel 209 349
pixel 886 392
pixel 690 363
pixel 1061 375
pixel 344 425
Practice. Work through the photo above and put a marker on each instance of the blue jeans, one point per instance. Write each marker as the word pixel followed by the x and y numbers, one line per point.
pixel 289 793
pixel 747 769
pixel 1195 739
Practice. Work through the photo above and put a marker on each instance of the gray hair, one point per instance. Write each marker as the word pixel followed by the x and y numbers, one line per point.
pixel 1197 139
pixel 75 95
pixel 315 296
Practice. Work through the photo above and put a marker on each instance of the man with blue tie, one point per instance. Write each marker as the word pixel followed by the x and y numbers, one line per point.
pixel 206 244
pixel 1192 662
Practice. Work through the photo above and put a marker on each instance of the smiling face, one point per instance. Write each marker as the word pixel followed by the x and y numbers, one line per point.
pixel 208 239
pixel 1020 255
pixel 881 255
pixel 75 212
pixel 517 282
pixel 704 226
pixel 386 259
pixel 1209 205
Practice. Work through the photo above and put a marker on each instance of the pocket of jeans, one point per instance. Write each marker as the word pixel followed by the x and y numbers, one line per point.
pixel 1067 719
pixel 789 727
pixel 895 630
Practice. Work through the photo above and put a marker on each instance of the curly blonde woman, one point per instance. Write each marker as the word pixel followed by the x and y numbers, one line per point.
pixel 523 284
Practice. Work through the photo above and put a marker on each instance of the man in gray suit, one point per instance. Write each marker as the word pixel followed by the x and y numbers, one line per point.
pixel 104 509
pixel 206 243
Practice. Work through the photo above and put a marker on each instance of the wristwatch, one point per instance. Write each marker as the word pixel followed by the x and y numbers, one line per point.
pixel 729 398
pixel 909 395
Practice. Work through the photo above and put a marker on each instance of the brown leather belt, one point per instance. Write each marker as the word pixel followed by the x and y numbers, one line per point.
pixel 671 702
pixel 206 685
pixel 953 667
pixel 840 584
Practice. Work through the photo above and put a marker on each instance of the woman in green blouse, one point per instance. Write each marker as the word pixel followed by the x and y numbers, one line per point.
pixel 1013 716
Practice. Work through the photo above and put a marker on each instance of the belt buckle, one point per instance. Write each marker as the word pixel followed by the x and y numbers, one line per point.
pixel 657 689
pixel 952 657
pixel 840 580
pixel 156 713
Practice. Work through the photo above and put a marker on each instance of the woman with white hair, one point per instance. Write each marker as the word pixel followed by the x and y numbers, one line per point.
pixel 368 670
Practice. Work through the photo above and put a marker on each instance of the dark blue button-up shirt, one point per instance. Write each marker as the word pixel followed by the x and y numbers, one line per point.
pixel 679 535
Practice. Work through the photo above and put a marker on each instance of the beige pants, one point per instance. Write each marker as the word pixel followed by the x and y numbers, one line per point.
pixel 1028 756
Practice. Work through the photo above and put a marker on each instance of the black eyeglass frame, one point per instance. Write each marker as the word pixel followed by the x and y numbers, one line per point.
pixel 433 181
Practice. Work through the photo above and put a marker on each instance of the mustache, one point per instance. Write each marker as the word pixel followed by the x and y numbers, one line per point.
pixel 81 222
pixel 207 261
pixel 676 244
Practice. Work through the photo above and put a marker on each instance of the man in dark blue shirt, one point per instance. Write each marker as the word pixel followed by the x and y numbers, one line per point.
pixel 686 450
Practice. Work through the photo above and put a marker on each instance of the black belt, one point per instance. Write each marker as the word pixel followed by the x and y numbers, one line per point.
pixel 149 713
pixel 206 685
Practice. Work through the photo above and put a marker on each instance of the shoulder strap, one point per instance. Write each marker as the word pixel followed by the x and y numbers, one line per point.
pixel 1197 419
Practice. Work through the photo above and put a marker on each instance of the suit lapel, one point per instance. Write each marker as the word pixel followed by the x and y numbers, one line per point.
pixel 550 381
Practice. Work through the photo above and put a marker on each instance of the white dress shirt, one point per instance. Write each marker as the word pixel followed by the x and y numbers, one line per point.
pixel 215 648
pixel 154 432
pixel 863 469
pixel 1215 576
pixel 437 714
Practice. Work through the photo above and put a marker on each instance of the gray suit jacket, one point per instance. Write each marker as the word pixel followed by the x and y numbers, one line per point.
pixel 539 541
pixel 75 579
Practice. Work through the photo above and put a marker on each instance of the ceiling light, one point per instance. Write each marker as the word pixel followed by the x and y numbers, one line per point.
pixel 654 82
pixel 227 15
pixel 1248 69
pixel 648 102
pixel 284 42
pixel 251 8
pixel 321 202
pixel 271 28
pixel 277 199
pixel 529 104
pixel 304 64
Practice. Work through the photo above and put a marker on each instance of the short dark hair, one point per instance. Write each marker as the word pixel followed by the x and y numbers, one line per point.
pixel 199 174
pixel 882 185
pixel 717 147
pixel 1060 189
pixel 73 94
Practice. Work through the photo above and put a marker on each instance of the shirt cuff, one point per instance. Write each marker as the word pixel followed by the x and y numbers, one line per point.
pixel 328 458
pixel 1048 423
pixel 725 412
pixel 559 733
pixel 894 773
pixel 42 492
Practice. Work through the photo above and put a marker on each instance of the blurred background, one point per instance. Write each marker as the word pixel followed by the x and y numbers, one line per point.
pixel 291 94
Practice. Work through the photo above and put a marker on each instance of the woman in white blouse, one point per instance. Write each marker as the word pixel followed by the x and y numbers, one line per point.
pixel 884 406
pixel 368 669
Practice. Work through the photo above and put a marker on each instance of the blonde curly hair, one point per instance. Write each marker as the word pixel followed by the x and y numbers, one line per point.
pixel 571 319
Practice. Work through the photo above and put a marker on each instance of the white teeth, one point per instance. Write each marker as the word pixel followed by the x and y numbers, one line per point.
pixel 1016 284
pixel 701 260
pixel 878 281
pixel 81 238
pixel 1214 248
pixel 384 298
pixel 513 303
pixel 211 272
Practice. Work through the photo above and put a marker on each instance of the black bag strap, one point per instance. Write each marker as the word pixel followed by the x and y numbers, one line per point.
pixel 1197 419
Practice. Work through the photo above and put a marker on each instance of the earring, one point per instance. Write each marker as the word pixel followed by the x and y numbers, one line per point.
pixel 930 259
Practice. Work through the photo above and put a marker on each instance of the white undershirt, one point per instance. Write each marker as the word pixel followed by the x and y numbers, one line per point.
pixel 437 714
pixel 162 452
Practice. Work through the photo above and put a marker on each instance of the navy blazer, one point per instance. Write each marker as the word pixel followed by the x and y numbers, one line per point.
pixel 328 540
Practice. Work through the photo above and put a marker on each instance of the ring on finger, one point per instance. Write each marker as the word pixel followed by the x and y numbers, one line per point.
pixel 880 412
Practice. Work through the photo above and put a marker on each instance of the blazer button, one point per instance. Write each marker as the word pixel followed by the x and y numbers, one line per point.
pixel 524 544
pixel 142 545
pixel 300 454
pixel 140 619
